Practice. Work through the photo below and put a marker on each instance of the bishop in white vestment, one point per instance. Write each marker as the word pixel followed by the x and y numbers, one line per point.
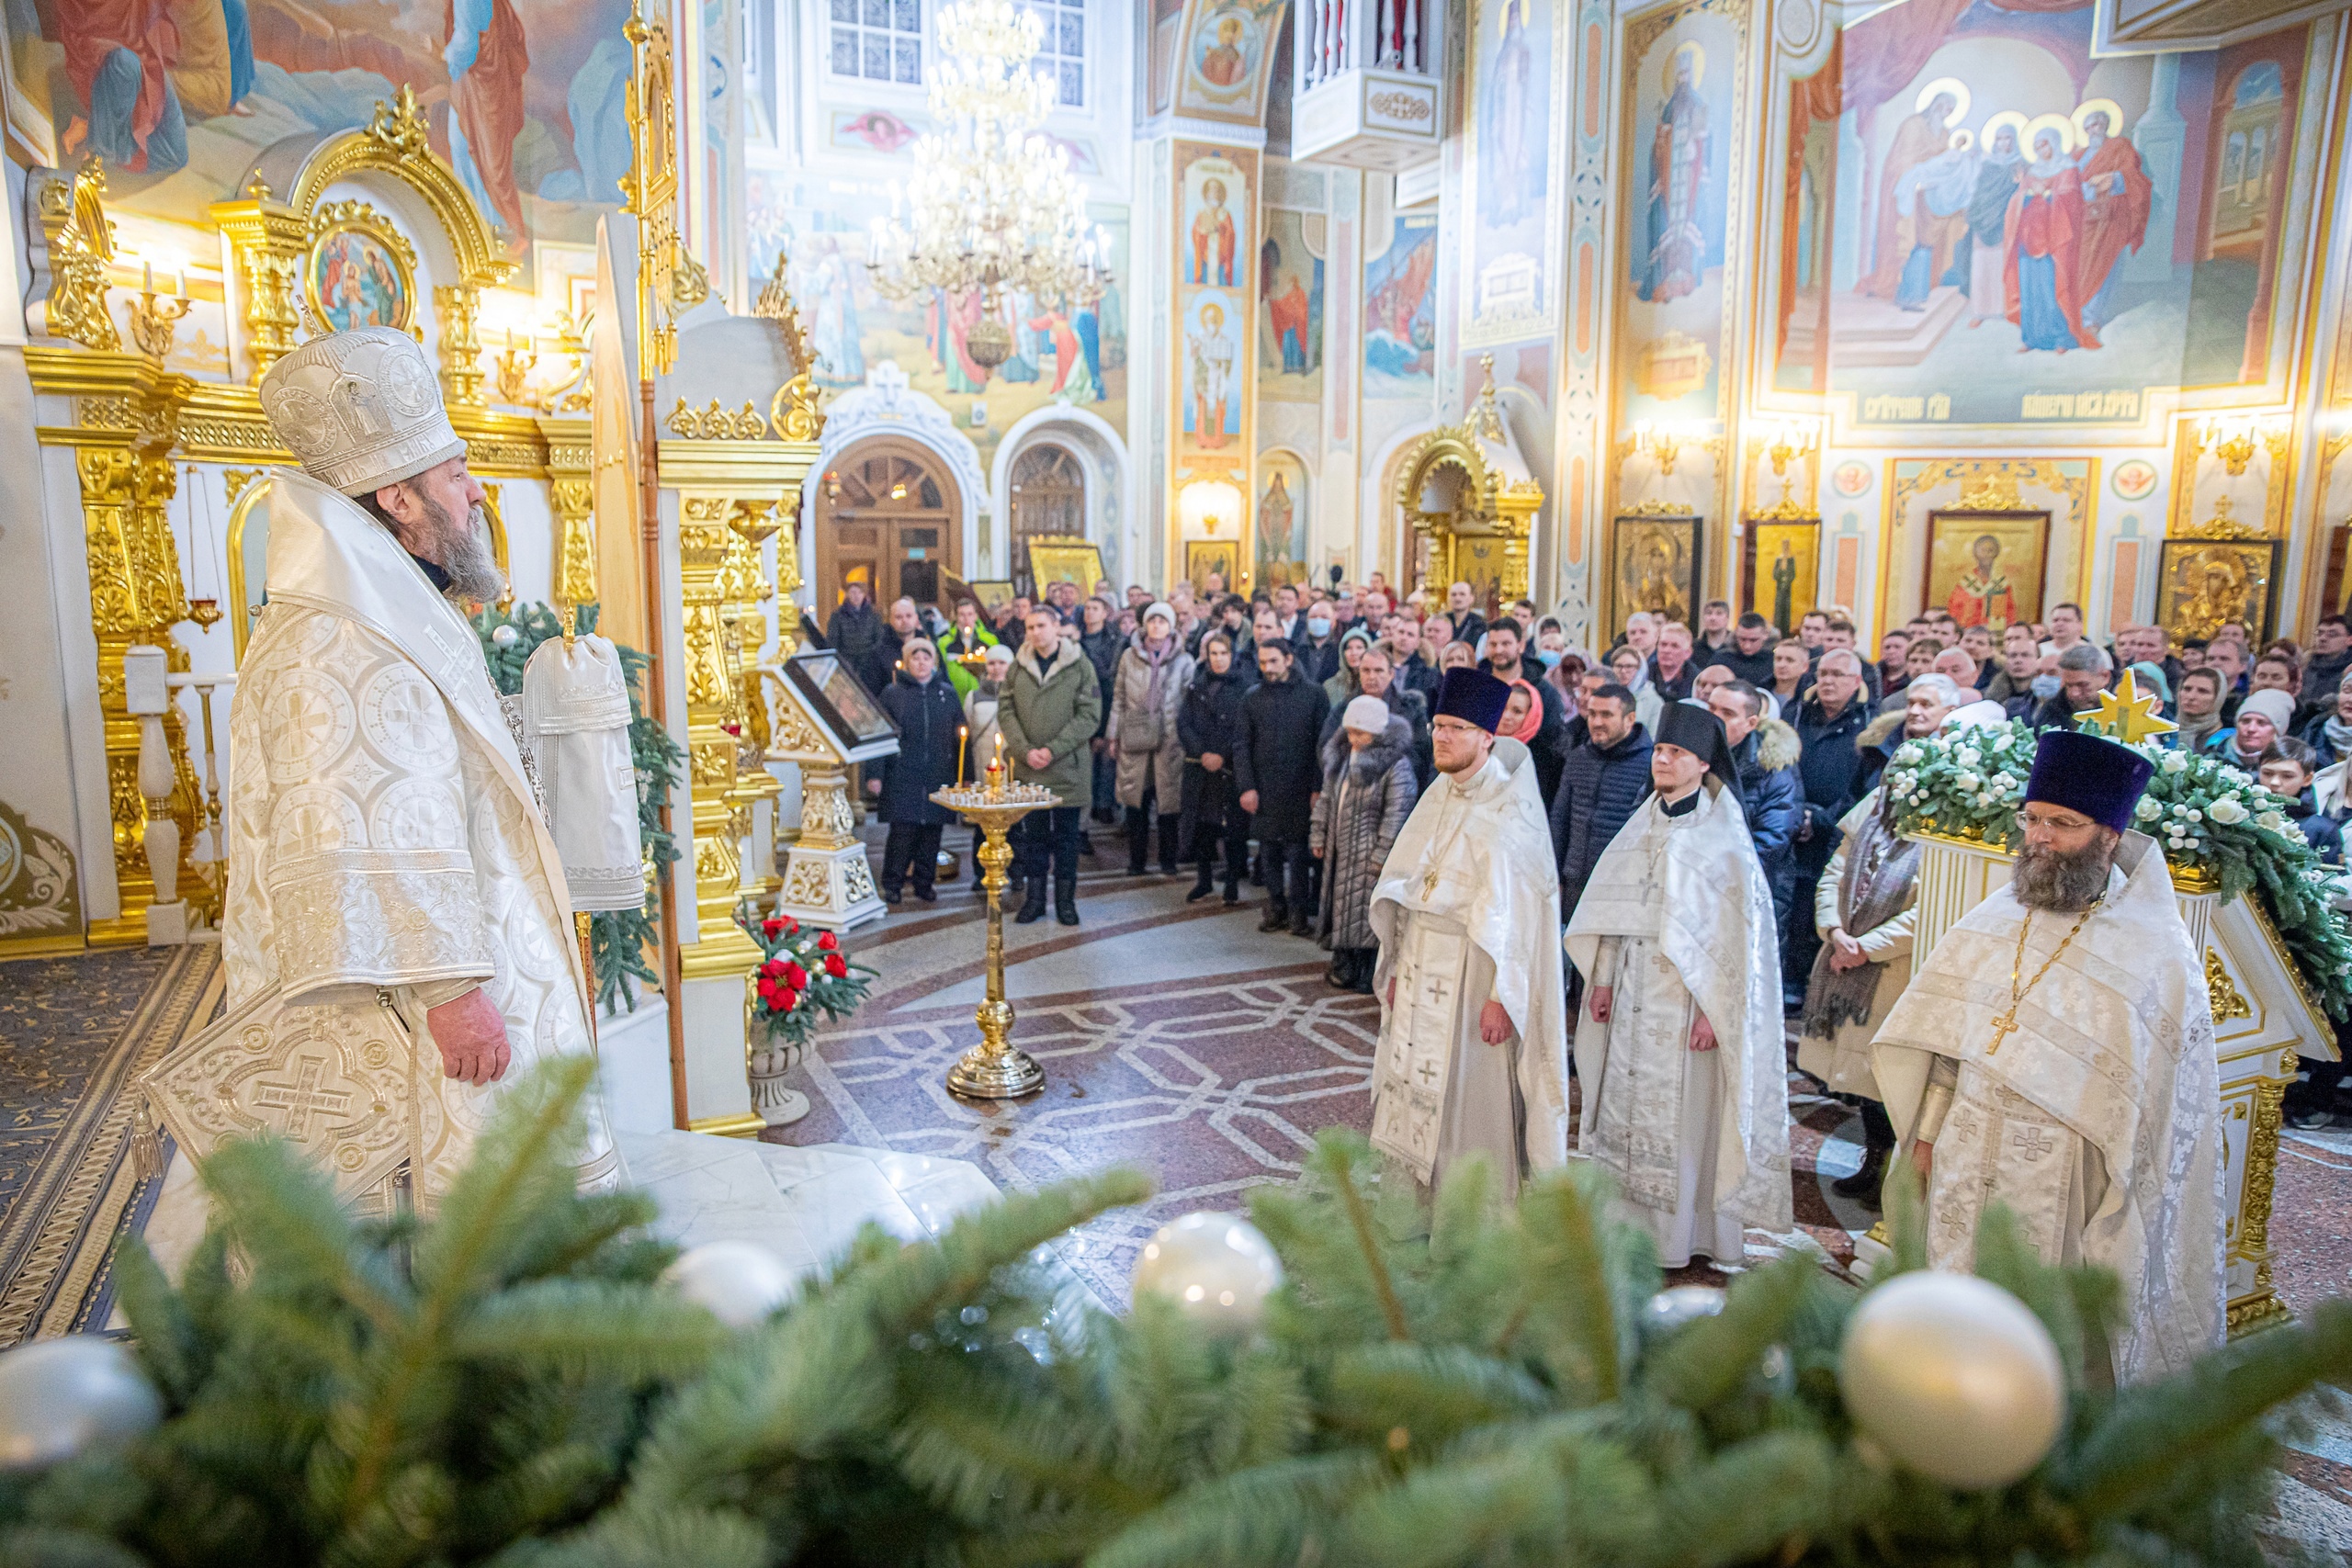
pixel 2055 1055
pixel 381 834
pixel 1679 1049
pixel 1473 1053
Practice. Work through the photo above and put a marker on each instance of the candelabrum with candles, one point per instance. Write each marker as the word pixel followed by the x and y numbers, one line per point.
pixel 156 320
pixel 995 1068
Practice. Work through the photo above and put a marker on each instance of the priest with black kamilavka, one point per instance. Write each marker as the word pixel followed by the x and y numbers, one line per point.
pixel 1679 1047
pixel 2055 1055
pixel 1473 1054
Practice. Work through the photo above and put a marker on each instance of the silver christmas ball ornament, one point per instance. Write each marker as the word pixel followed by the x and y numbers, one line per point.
pixel 1670 1309
pixel 1954 1377
pixel 60 1396
pixel 505 637
pixel 1217 1268
pixel 741 1282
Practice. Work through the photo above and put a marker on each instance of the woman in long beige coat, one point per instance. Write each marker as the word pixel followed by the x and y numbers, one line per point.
pixel 1146 689
pixel 1864 909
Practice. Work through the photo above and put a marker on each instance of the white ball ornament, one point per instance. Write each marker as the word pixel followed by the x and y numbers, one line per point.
pixel 1953 1376
pixel 505 637
pixel 1670 1309
pixel 1217 1268
pixel 60 1396
pixel 739 1281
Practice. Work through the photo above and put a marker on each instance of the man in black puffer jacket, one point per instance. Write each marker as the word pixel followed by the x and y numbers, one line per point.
pixel 1605 777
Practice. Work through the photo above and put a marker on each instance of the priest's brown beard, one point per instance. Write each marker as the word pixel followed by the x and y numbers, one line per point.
pixel 465 554
pixel 2050 879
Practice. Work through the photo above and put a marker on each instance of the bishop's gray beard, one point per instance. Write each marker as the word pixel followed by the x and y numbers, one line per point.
pixel 465 554
pixel 2050 879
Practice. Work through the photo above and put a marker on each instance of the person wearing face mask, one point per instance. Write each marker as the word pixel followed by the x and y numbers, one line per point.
pixel 1679 1043
pixel 1317 649
pixel 1208 726
pixel 2083 671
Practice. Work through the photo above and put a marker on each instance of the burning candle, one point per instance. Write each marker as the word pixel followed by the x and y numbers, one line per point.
pixel 963 741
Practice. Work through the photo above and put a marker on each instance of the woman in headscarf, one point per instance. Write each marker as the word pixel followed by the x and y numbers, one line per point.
pixel 1546 744
pixel 1345 685
pixel 2152 679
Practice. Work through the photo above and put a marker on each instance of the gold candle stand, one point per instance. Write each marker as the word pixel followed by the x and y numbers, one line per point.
pixel 995 1068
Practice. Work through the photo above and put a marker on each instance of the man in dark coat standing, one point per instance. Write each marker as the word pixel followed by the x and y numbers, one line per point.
pixel 1833 773
pixel 1766 752
pixel 858 633
pixel 1606 775
pixel 1279 776
pixel 921 701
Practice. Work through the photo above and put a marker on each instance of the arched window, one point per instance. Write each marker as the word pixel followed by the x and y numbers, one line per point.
pixel 1048 501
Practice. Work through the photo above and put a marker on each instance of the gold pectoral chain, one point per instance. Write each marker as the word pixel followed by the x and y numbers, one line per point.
pixel 2006 1023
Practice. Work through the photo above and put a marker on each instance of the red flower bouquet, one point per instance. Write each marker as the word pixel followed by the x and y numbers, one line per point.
pixel 804 978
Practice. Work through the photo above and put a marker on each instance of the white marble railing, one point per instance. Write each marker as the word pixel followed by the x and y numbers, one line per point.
pixel 1341 34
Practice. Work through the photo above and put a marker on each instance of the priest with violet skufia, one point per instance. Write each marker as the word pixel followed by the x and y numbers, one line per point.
pixel 2055 1055
pixel 1679 1048
pixel 1472 1052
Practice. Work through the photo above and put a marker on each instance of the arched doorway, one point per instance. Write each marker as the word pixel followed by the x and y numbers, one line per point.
pixel 1048 501
pixel 887 513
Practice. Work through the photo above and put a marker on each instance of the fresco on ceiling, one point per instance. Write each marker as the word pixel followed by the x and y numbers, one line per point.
pixel 1511 189
pixel 1984 224
pixel 180 96
pixel 1290 308
pixel 1682 94
pixel 1400 312
pixel 1063 352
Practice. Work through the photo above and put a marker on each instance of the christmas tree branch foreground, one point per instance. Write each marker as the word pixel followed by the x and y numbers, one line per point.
pixel 511 1382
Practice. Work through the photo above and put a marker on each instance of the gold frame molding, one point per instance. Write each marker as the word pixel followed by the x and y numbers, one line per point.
pixel 1494 504
pixel 356 217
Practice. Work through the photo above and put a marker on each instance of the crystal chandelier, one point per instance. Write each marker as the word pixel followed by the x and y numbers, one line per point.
pixel 992 204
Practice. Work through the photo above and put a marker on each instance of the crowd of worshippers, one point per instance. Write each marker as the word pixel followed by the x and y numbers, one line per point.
pixel 1236 732
pixel 1454 800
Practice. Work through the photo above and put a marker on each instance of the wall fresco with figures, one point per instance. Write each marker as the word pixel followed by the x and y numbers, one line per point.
pixel 180 96
pixel 1290 308
pixel 1685 73
pixel 1512 190
pixel 1984 223
pixel 1062 353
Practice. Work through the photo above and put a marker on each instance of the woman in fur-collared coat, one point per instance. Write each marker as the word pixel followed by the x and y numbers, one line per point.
pixel 1368 791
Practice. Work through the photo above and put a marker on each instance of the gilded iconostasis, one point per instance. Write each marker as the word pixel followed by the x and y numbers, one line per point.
pixel 1988 303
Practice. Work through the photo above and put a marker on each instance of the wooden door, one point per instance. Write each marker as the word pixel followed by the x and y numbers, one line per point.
pixel 888 516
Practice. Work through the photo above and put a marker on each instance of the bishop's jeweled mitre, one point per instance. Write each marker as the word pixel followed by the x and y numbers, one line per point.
pixel 359 409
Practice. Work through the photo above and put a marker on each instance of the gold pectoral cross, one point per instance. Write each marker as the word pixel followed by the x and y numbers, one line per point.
pixel 1429 884
pixel 2003 1027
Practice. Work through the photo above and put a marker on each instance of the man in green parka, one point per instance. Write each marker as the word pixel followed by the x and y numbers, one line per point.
pixel 1052 707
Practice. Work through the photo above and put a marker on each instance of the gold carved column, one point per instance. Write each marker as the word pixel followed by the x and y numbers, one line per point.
pixel 571 496
pixel 125 412
pixel 267 239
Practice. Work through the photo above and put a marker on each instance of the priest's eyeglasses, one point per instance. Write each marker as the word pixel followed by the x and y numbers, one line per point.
pixel 2053 824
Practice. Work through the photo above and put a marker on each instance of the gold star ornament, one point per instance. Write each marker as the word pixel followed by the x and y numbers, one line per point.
pixel 2127 715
